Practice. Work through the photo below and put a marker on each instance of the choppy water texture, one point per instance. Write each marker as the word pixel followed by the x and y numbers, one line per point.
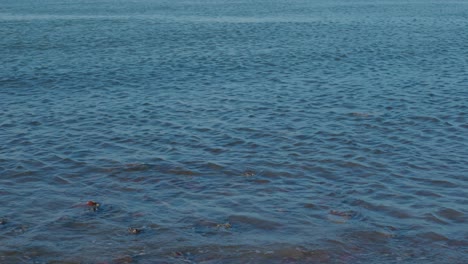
pixel 233 131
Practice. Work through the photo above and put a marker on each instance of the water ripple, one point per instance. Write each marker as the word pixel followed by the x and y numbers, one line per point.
pixel 233 132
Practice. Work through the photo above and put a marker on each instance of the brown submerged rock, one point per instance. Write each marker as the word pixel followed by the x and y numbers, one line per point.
pixel 225 226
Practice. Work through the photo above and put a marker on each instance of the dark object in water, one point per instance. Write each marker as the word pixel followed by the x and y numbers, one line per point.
pixel 3 221
pixel 94 205
pixel 134 231
pixel 249 173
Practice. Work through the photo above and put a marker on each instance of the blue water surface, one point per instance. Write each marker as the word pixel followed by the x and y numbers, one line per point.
pixel 244 131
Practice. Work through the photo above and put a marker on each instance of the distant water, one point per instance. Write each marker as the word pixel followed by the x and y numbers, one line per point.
pixel 234 131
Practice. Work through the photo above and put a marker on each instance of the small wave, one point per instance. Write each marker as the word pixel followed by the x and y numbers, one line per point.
pixel 255 222
pixel 452 215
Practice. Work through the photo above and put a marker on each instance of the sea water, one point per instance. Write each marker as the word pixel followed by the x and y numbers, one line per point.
pixel 247 131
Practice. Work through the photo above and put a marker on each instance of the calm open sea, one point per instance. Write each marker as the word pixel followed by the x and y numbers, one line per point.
pixel 248 131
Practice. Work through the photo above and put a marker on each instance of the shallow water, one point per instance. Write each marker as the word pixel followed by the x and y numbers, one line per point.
pixel 321 131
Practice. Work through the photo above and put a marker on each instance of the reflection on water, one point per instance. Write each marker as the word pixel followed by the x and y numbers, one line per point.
pixel 233 132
